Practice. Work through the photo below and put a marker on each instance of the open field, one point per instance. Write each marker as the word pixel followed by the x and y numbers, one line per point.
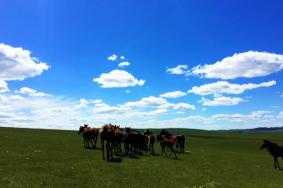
pixel 45 158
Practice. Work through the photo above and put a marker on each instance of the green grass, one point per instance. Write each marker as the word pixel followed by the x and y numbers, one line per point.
pixel 45 158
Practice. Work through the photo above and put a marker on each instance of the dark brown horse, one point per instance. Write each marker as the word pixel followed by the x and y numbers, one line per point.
pixel 274 149
pixel 107 134
pixel 134 142
pixel 90 136
pixel 167 144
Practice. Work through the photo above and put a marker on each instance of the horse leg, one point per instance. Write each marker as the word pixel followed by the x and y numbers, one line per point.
pixel 95 141
pixel 102 147
pixel 172 149
pixel 274 160
pixel 107 150
pixel 278 164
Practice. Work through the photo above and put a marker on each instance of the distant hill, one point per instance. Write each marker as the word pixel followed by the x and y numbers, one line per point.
pixel 260 129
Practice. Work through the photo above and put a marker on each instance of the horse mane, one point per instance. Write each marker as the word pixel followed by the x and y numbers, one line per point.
pixel 271 143
pixel 164 132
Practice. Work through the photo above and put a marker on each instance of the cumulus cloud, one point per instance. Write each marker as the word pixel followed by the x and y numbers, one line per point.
pixel 17 63
pixel 83 103
pixel 124 64
pixel 122 57
pixel 32 92
pixel 118 78
pixel 183 106
pixel 247 64
pixel 3 87
pixel 180 69
pixel 149 102
pixel 221 101
pixel 224 87
pixel 112 57
pixel 158 102
pixel 173 94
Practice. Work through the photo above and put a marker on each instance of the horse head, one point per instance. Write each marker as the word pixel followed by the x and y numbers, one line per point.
pixel 81 129
pixel 265 144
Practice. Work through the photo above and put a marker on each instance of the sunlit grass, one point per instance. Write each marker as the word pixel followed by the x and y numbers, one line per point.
pixel 43 158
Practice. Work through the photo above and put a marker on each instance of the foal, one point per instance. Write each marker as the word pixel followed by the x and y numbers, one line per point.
pixel 274 149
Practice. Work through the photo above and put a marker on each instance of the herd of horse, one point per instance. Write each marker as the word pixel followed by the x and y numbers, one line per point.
pixel 112 137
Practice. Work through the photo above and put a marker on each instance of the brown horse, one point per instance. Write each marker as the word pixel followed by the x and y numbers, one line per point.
pixel 180 140
pixel 118 139
pixel 150 140
pixel 167 144
pixel 274 149
pixel 89 136
pixel 107 134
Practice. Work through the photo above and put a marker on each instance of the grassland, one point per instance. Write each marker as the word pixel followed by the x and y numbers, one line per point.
pixel 45 158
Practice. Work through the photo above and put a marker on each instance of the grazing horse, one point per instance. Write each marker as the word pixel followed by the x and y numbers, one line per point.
pixel 180 140
pixel 166 143
pixel 89 135
pixel 150 140
pixel 107 134
pixel 274 149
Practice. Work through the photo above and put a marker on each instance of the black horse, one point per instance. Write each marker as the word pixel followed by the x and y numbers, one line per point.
pixel 274 149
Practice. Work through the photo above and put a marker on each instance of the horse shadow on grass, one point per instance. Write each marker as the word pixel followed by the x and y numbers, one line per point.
pixel 115 160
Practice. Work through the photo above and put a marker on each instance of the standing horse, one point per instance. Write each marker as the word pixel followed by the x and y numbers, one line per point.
pixel 274 149
pixel 107 134
pixel 180 140
pixel 134 142
pixel 180 143
pixel 166 144
pixel 150 140
pixel 89 136
pixel 118 139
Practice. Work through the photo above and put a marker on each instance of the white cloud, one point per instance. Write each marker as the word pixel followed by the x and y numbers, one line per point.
pixel 280 115
pixel 183 106
pixel 83 103
pixel 122 57
pixel 149 102
pixel 3 87
pixel 221 101
pixel 173 94
pixel 118 78
pixel 158 102
pixel 17 64
pixel 124 64
pixel 224 87
pixel 113 57
pixel 247 64
pixel 32 92
pixel 180 69
pixel 128 91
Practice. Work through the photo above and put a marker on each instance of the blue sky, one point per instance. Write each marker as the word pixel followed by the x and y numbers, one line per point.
pixel 234 47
